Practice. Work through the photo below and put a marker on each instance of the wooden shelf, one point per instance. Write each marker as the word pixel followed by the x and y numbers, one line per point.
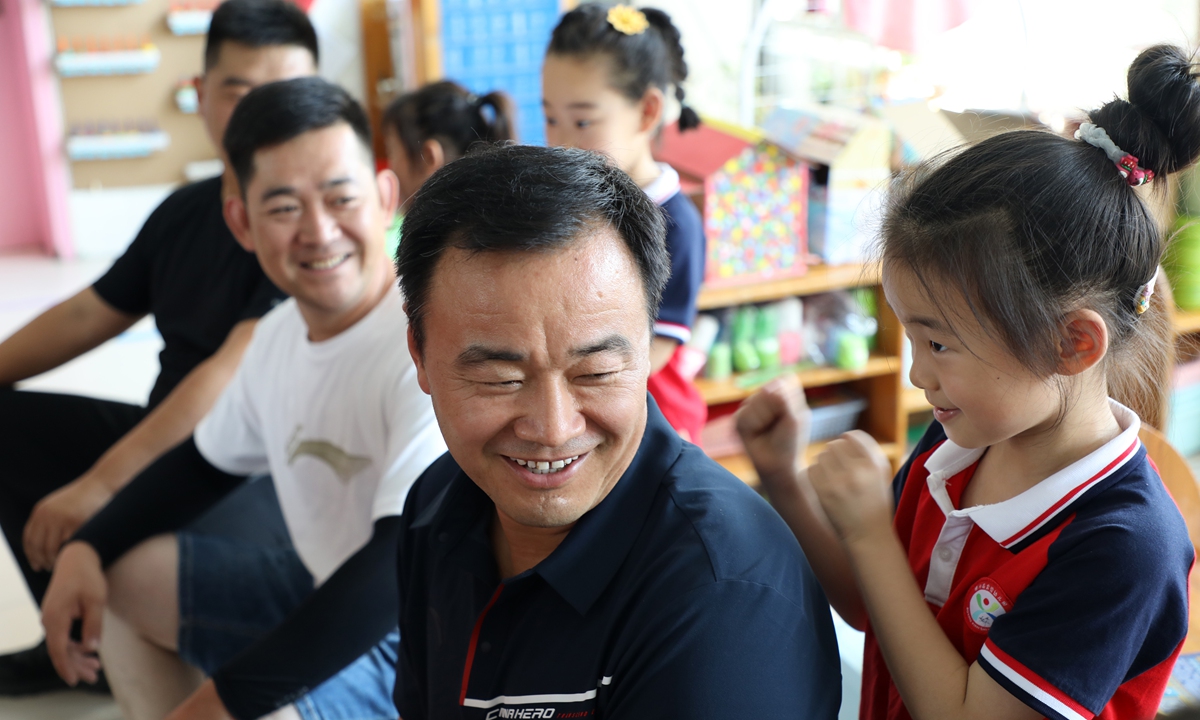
pixel 914 400
pixel 743 469
pixel 716 392
pixel 818 279
pixel 1184 322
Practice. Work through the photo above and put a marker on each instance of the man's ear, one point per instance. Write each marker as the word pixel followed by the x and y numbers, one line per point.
pixel 1083 343
pixel 653 104
pixel 418 360
pixel 198 83
pixel 389 193
pixel 433 157
pixel 238 220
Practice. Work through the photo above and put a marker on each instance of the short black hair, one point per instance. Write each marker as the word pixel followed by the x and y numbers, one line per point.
pixel 525 198
pixel 274 113
pixel 258 23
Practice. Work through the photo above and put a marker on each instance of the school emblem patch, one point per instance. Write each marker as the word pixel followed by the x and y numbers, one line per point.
pixel 986 603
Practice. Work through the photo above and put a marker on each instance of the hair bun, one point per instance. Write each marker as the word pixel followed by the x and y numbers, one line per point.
pixel 1160 123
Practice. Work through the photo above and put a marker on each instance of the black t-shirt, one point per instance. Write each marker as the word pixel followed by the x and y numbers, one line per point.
pixel 186 268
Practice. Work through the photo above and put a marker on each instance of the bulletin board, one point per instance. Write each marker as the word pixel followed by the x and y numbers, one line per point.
pixel 148 97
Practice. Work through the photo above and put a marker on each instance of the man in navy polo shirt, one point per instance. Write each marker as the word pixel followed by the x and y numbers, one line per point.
pixel 571 556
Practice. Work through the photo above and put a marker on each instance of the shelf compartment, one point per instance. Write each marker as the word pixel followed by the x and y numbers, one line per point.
pixel 743 469
pixel 108 62
pixel 94 3
pixel 738 388
pixel 189 21
pixel 913 400
pixel 818 279
pixel 116 146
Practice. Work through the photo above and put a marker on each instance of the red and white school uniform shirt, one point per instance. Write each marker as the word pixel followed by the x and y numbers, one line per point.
pixel 679 400
pixel 1072 595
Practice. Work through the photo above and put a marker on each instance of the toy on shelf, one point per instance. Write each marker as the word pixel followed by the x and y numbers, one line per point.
pixel 186 97
pixel 851 154
pixel 838 330
pixel 696 349
pixel 754 196
pixel 720 356
pixel 94 3
pixel 191 17
pixel 113 141
pixel 106 56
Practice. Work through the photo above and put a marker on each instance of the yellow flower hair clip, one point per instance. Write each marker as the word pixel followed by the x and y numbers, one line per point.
pixel 628 20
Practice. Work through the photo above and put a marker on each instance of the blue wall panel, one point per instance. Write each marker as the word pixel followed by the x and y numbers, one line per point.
pixel 498 45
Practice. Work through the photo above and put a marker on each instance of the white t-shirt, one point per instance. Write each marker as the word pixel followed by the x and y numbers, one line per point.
pixel 341 425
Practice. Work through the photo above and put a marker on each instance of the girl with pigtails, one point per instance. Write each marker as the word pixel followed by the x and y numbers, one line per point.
pixel 438 123
pixel 1027 560
pixel 604 88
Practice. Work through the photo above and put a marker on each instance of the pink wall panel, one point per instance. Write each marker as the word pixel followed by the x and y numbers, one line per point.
pixel 33 168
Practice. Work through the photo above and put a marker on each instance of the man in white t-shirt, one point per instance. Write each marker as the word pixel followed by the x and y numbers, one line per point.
pixel 326 400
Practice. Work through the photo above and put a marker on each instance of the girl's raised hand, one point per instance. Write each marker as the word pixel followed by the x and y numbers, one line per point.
pixel 773 424
pixel 852 480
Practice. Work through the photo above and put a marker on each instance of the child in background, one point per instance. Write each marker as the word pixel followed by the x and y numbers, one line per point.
pixel 604 86
pixel 1034 564
pixel 427 128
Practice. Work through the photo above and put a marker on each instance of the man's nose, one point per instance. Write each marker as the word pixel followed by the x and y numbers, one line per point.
pixel 552 418
pixel 318 226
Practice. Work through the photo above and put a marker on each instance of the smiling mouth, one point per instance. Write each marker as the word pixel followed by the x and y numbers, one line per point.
pixel 327 263
pixel 544 467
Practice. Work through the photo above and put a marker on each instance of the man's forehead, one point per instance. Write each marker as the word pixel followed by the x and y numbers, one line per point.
pixel 242 64
pixel 582 292
pixel 324 158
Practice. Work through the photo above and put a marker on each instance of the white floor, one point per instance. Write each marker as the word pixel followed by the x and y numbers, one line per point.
pixel 123 369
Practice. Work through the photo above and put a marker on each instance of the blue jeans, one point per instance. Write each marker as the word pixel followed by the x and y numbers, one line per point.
pixel 233 590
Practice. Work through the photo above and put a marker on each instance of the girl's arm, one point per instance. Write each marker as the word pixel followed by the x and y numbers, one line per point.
pixel 850 478
pixel 773 424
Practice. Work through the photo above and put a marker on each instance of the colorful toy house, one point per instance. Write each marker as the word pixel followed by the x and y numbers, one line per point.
pixel 753 195
pixel 851 158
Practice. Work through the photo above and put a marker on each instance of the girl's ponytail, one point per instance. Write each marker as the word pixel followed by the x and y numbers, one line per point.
pixel 1159 125
pixel 502 127
pixel 660 21
pixel 449 113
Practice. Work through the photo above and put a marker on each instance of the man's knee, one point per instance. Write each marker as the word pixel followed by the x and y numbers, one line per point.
pixel 143 590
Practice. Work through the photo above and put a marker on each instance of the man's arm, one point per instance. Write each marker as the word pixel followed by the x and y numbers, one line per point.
pixel 170 493
pixel 62 512
pixel 62 333
pixel 780 659
pixel 341 620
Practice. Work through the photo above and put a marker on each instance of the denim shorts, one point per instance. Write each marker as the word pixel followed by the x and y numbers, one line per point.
pixel 235 587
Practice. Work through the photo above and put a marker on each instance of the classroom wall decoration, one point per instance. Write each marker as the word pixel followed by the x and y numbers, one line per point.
pixel 754 197
pixel 121 68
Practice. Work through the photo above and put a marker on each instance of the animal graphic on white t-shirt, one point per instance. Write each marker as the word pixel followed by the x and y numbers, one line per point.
pixel 343 464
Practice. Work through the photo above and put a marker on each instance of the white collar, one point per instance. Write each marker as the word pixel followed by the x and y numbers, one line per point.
pixel 1015 519
pixel 663 187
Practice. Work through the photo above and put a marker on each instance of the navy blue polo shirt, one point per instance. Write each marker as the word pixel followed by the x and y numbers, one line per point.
pixel 682 594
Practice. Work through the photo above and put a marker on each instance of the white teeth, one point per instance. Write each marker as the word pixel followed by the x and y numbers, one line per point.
pixel 545 467
pixel 329 263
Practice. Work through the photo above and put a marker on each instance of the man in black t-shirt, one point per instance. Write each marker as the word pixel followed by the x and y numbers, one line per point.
pixel 62 457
